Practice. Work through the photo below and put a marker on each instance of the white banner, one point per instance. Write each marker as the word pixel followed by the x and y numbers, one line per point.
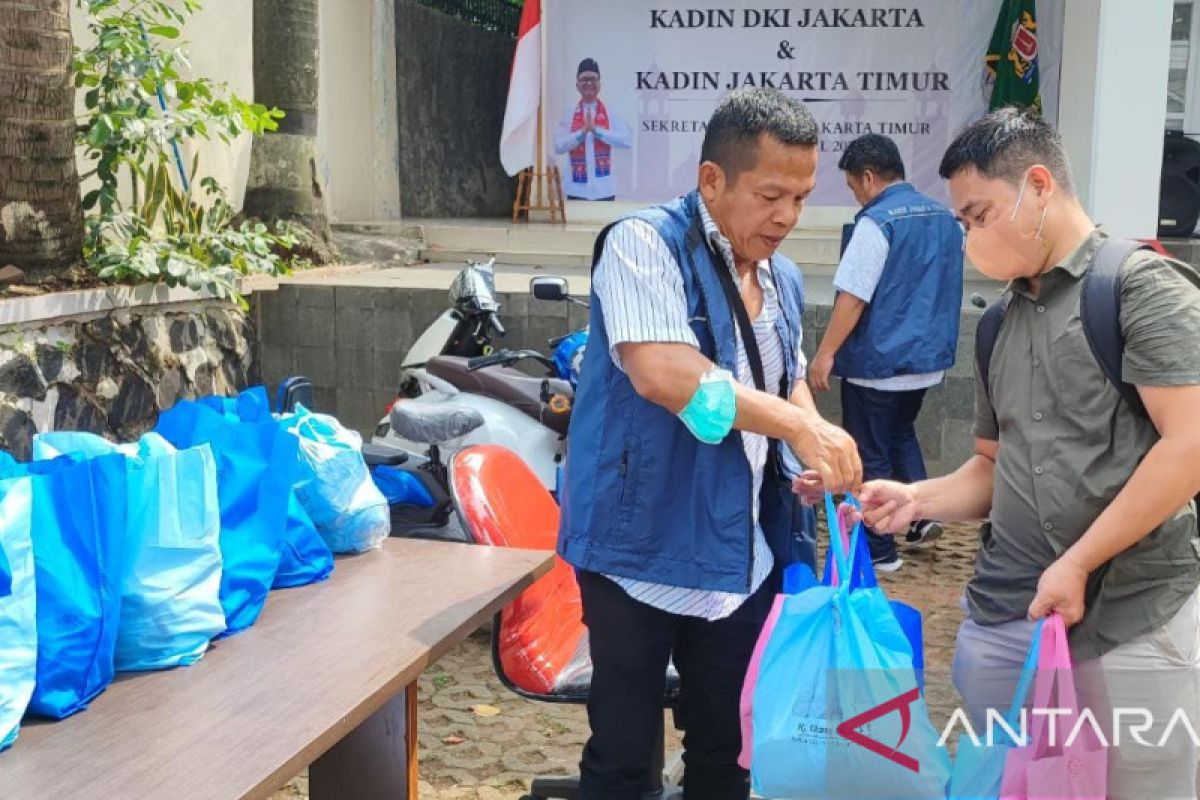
pixel 913 72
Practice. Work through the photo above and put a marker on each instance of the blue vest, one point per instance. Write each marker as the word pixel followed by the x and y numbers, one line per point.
pixel 911 324
pixel 643 498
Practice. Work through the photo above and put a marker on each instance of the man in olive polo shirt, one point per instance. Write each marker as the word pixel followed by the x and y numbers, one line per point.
pixel 1090 503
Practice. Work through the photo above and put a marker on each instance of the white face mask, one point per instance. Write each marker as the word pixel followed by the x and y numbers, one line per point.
pixel 1002 250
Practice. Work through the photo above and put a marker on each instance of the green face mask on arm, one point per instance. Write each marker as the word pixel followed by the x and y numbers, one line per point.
pixel 710 413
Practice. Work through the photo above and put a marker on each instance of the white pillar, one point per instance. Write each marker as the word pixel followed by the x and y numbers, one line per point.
pixel 385 136
pixel 356 137
pixel 1112 108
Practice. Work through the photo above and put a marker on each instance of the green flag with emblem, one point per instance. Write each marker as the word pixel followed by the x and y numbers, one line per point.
pixel 1012 57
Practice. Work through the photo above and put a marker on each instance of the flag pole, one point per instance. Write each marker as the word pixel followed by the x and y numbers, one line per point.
pixel 540 163
pixel 539 186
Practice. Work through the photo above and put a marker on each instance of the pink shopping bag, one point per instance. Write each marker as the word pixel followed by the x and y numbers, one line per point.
pixel 1058 767
pixel 745 705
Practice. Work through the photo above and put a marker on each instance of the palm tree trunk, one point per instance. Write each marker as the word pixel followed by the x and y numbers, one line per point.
pixel 283 182
pixel 41 221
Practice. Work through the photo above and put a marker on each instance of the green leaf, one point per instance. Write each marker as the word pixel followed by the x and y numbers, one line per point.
pixel 89 199
pixel 177 267
pixel 156 189
pixel 100 132
pixel 165 31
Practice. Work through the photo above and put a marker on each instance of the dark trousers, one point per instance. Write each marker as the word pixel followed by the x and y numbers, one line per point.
pixel 883 426
pixel 631 644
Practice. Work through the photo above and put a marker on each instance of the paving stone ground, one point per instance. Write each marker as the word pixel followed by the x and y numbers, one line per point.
pixel 466 756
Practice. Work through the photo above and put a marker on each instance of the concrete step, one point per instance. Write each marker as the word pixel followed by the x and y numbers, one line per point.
pixel 548 261
pixel 539 245
pixel 363 244
pixel 571 245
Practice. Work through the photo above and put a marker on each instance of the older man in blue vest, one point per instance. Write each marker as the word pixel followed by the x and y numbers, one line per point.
pixel 894 329
pixel 676 509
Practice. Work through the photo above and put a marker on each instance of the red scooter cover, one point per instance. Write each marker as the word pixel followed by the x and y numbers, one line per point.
pixel 542 639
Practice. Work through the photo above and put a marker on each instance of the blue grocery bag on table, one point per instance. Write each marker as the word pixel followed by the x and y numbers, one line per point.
pixel 18 606
pixel 170 589
pixel 78 523
pixel 255 466
pixel 836 708
pixel 305 557
pixel 335 486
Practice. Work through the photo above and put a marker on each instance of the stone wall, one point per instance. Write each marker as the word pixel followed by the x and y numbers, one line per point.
pixel 451 88
pixel 350 340
pixel 112 373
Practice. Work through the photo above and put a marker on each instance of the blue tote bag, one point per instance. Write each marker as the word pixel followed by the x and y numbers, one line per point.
pixel 18 606
pixel 862 576
pixel 170 589
pixel 836 709
pixel 171 593
pixel 78 522
pixel 305 557
pixel 255 467
pixel 979 767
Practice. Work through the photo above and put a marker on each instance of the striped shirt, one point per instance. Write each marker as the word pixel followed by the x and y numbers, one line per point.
pixel 638 284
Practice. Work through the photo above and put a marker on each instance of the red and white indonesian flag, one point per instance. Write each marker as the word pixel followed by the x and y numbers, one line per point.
pixel 518 139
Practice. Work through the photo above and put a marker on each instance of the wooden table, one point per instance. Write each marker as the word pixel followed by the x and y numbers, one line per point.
pixel 326 677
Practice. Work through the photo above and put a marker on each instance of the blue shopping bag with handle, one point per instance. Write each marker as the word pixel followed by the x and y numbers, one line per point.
pixel 255 468
pixel 836 709
pixel 250 405
pixel 979 765
pixel 170 588
pixel 18 606
pixel 862 576
pixel 305 558
pixel 78 524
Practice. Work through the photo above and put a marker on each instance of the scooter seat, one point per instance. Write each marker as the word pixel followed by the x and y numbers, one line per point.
pixel 511 387
pixel 432 422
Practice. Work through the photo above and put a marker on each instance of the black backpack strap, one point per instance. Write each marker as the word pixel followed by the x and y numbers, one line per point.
pixel 1100 314
pixel 598 245
pixel 986 335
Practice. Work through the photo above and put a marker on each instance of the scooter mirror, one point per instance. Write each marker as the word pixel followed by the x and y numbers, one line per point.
pixel 549 287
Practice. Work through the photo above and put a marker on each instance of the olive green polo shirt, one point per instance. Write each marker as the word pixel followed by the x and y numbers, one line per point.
pixel 1068 443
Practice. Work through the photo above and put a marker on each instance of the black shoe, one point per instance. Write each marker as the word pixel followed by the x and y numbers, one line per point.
pixel 923 531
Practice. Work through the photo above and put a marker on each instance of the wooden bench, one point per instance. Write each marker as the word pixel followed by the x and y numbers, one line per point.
pixel 326 678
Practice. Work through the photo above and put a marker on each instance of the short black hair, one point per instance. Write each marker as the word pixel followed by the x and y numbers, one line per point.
pixel 588 65
pixel 1006 143
pixel 874 152
pixel 731 139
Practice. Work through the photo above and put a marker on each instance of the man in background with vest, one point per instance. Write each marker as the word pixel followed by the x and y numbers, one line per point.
pixel 587 134
pixel 675 512
pixel 1089 495
pixel 894 329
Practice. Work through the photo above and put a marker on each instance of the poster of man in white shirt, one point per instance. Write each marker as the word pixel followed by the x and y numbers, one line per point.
pixel 587 134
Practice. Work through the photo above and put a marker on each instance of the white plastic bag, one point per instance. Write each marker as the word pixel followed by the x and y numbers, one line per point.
pixel 335 486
